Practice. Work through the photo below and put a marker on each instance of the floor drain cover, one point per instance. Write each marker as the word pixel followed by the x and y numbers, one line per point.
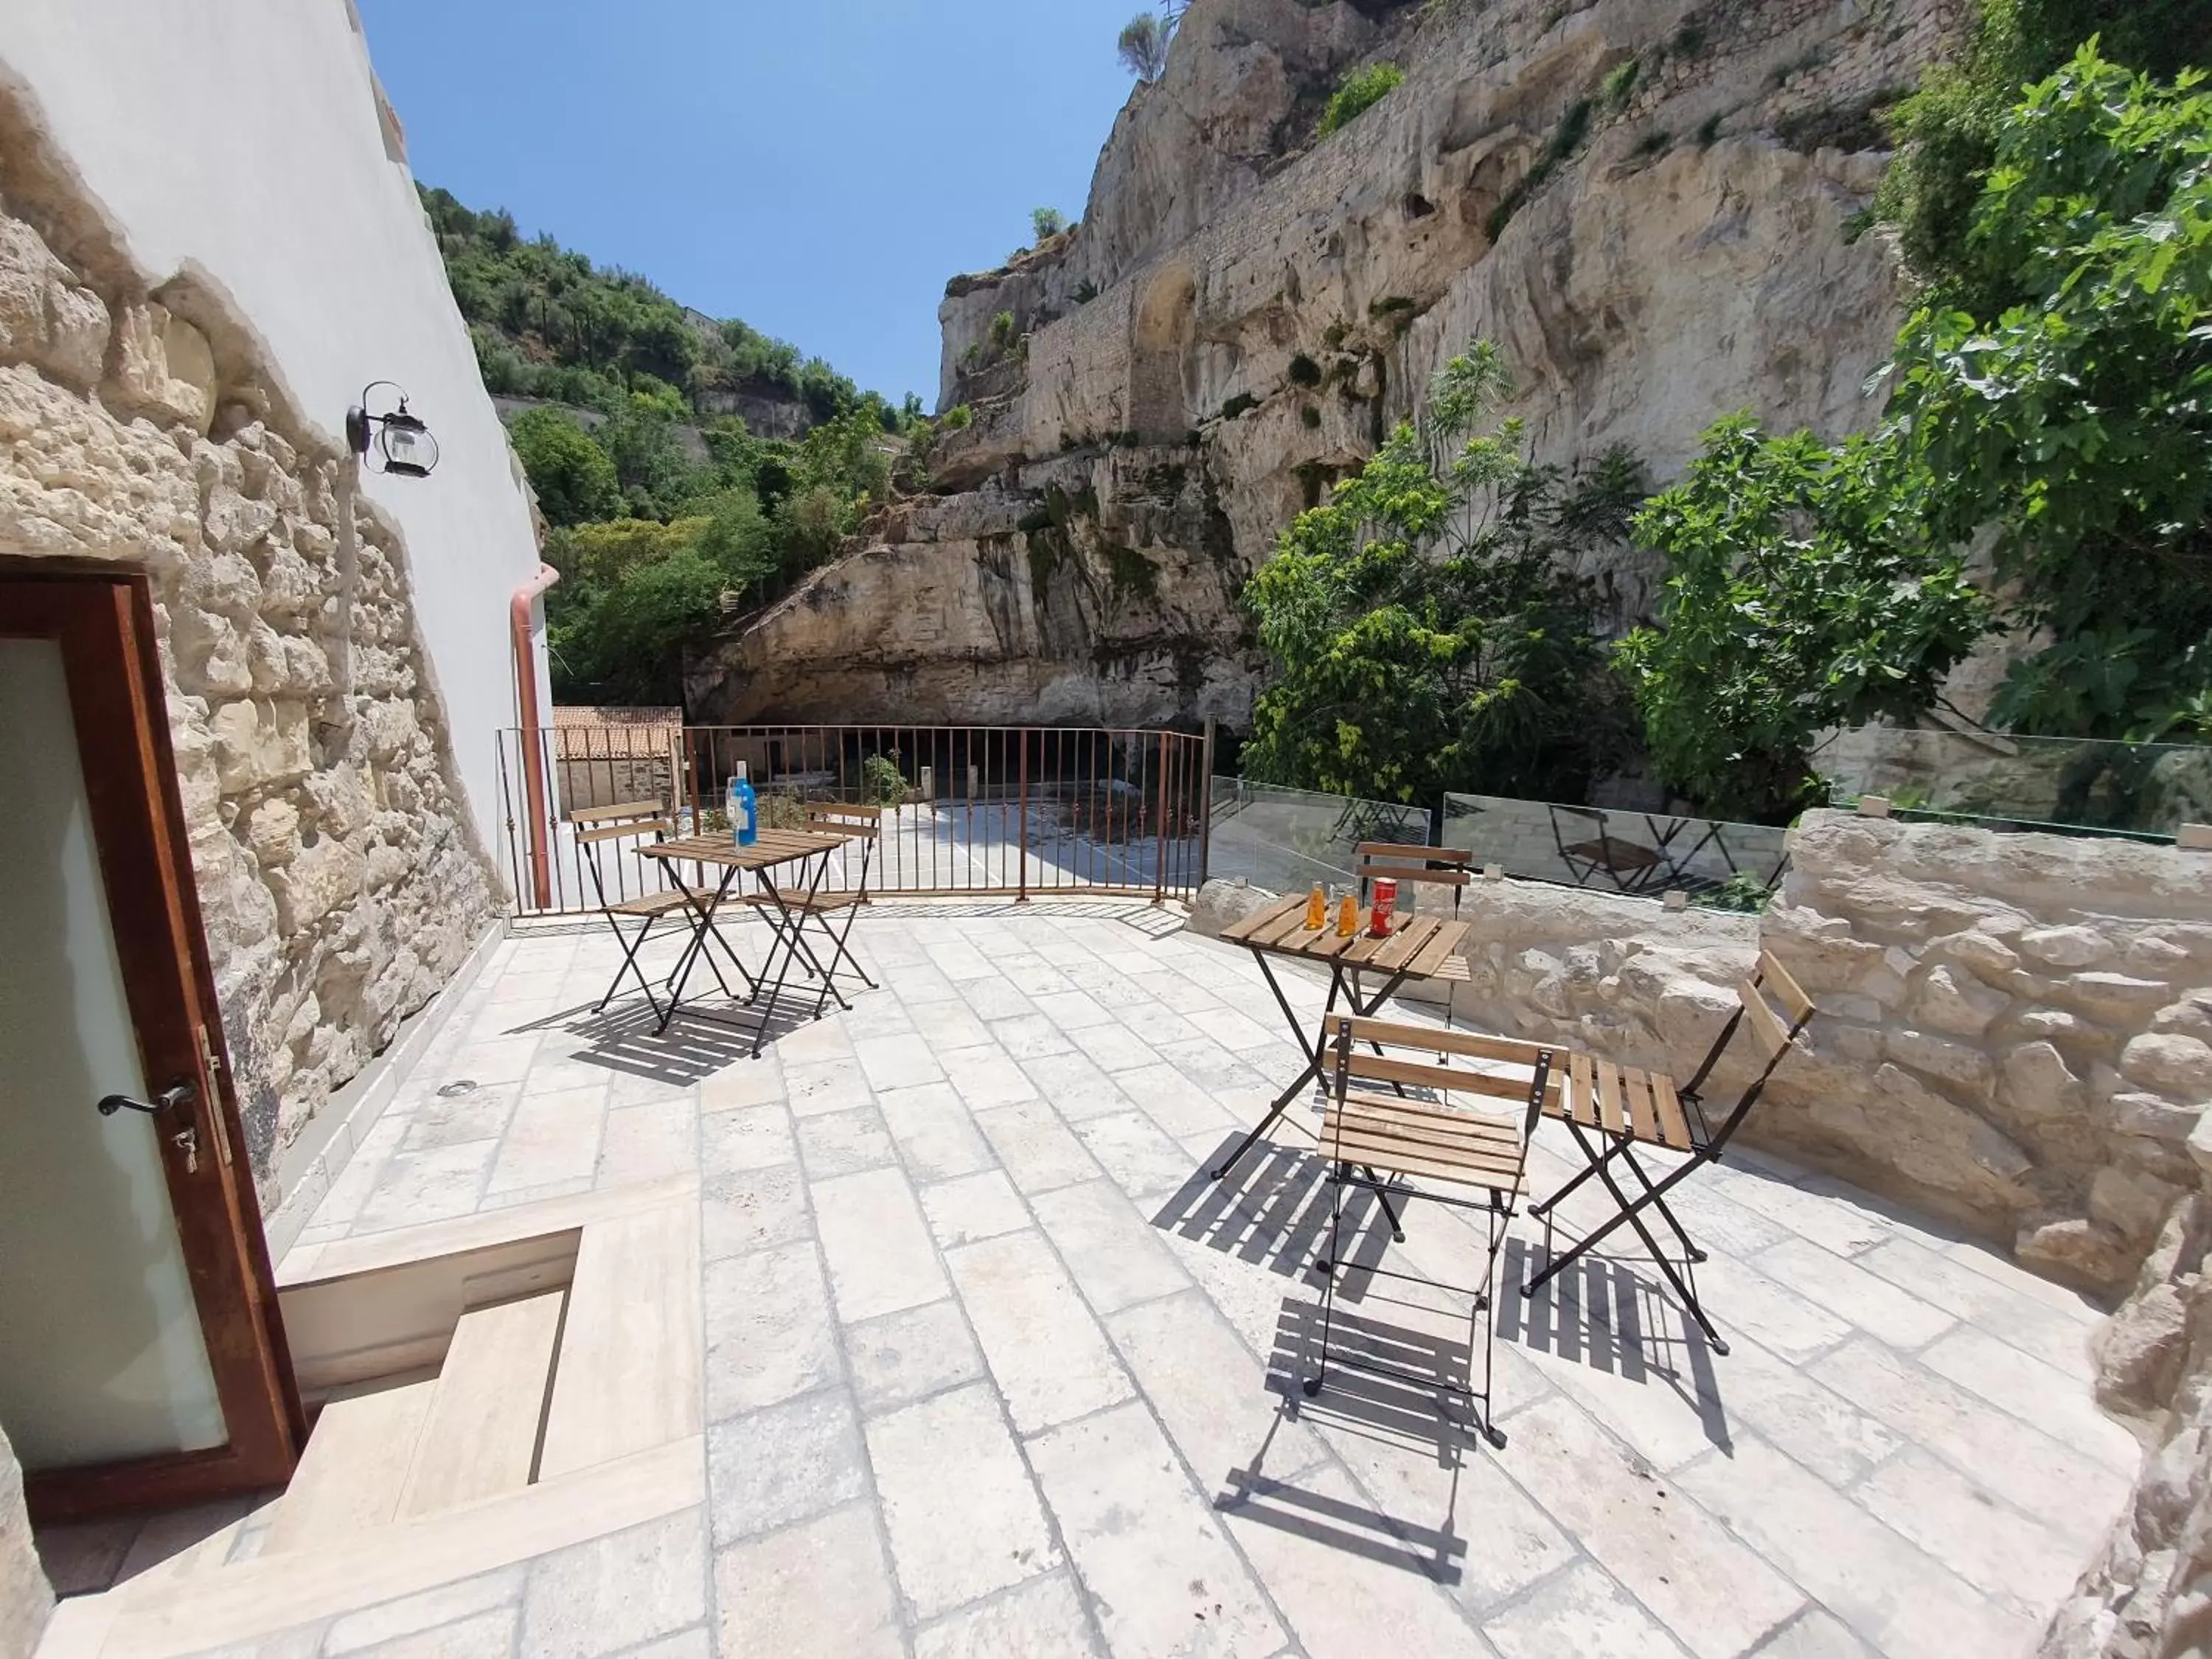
pixel 458 1087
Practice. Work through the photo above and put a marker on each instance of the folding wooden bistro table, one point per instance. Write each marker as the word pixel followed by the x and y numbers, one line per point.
pixel 1417 948
pixel 784 909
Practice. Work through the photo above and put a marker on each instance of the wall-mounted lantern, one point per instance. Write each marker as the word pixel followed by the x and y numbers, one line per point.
pixel 396 441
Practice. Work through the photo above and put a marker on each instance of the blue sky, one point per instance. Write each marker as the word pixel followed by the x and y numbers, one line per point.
pixel 819 168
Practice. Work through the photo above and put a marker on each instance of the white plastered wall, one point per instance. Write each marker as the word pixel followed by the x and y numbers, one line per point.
pixel 245 138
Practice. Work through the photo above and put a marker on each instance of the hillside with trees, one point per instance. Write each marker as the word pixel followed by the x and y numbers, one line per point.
pixel 666 512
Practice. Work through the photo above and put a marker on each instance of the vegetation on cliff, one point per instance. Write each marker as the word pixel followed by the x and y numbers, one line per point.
pixel 1426 626
pixel 2052 401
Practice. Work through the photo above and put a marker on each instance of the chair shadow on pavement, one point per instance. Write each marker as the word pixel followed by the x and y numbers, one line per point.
pixel 1604 1314
pixel 694 1047
pixel 1426 1425
pixel 1272 1210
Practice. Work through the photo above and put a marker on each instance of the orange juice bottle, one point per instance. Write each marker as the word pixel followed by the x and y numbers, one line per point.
pixel 1347 916
pixel 1316 910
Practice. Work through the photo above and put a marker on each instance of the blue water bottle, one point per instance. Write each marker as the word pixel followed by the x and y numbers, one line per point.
pixel 745 824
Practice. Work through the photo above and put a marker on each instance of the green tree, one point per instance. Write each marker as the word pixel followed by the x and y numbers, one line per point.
pixel 1425 630
pixel 1046 222
pixel 1143 44
pixel 2077 419
pixel 574 480
pixel 1803 592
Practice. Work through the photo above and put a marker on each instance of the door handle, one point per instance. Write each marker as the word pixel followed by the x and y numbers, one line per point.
pixel 176 1096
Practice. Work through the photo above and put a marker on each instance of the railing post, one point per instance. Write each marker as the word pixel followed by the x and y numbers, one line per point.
pixel 1160 862
pixel 1205 806
pixel 1022 808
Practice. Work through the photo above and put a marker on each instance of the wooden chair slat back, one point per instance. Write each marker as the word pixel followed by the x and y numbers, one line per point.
pixel 1511 1050
pixel 1784 988
pixel 1766 1027
pixel 661 827
pixel 1394 851
pixel 861 820
pixel 634 809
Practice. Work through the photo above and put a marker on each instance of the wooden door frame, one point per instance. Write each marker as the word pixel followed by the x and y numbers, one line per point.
pixel 103 619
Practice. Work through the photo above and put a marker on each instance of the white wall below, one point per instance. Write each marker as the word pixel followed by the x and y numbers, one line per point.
pixel 245 138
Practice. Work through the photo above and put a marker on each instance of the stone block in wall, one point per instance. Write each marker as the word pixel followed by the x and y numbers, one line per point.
pixel 162 370
pixel 316 882
pixel 2067 947
pixel 1953 1002
pixel 47 319
pixel 2171 1063
pixel 260 743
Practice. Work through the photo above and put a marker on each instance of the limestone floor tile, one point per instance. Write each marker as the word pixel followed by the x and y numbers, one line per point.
pixel 945 1026
pixel 992 995
pixel 898 1062
pixel 973 1206
pixel 415 1187
pixel 553 1137
pixel 2075 1494
pixel 1117 1258
pixel 818 1043
pixel 2056 1333
pixel 752 1209
pixel 904 1356
pixel 880 1255
pixel 1582 1612
pixel 1171 1100
pixel 936 1133
pixel 770 1336
pixel 958 1505
pixel 1115 1048
pixel 1044 1616
pixel 1046 1352
pixel 1832 1221
pixel 1349 1587
pixel 1039 1151
pixel 485 1636
pixel 744 1083
pixel 1966 1527
pixel 1714 1595
pixel 2035 1393
pixel 1901 1600
pixel 448 1604
pixel 784 1463
pixel 844 1143
pixel 1031 1036
pixel 1738 1297
pixel 1150 1548
pixel 959 962
pixel 813 1088
pixel 1074 1087
pixel 1871 1303
pixel 747 1138
pixel 1071 1009
pixel 821 1589
pixel 1140 1158
pixel 987 1077
pixel 647 1142
pixel 1815 1634
pixel 443 1120
pixel 1239 1032
pixel 1796 1414
pixel 612 1592
pixel 1212 1393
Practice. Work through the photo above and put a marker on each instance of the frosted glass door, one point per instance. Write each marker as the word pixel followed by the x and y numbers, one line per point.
pixel 102 1356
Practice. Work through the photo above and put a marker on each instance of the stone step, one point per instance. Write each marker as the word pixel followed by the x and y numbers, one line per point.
pixel 480 1437
pixel 355 1468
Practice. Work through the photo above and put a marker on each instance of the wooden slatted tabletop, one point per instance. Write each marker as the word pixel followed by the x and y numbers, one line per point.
pixel 1418 947
pixel 773 847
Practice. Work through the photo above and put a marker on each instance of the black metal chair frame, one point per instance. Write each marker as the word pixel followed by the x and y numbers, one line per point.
pixel 1497 1208
pixel 1708 1145
pixel 594 828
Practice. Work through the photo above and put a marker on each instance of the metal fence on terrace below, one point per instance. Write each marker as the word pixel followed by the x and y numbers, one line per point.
pixel 1015 811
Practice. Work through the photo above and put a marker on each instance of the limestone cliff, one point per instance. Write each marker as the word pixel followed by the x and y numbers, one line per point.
pixel 1648 204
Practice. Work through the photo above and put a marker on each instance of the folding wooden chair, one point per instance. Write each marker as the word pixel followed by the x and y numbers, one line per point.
pixel 865 825
pixel 598 827
pixel 1409 863
pixel 1629 866
pixel 1613 1110
pixel 1464 1157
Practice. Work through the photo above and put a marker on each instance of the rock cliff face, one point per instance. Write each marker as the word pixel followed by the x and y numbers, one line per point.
pixel 1647 202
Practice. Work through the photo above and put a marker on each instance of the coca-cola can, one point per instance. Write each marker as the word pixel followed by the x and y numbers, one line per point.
pixel 1386 904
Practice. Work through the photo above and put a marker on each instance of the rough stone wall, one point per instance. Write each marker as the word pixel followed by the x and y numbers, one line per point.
pixel 2014 1031
pixel 1269 304
pixel 341 880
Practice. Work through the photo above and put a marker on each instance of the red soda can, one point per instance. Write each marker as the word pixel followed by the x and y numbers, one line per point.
pixel 1386 903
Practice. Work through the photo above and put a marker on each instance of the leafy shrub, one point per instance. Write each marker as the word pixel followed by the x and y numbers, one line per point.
pixel 1310 417
pixel 1690 41
pixel 1143 45
pixel 1621 84
pixel 1744 895
pixel 885 783
pixel 1047 222
pixel 1304 371
pixel 1357 92
pixel 958 418
pixel 1086 292
pixel 574 480
pixel 1002 330
pixel 1709 132
pixel 1241 404
pixel 1565 139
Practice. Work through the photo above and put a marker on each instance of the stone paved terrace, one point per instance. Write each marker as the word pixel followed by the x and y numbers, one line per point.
pixel 988 1372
